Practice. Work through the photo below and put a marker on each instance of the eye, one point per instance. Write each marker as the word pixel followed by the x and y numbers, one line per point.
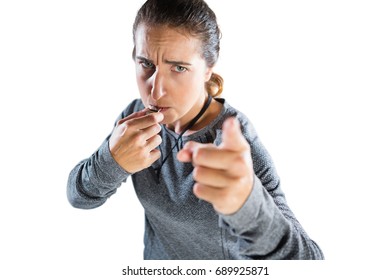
pixel 179 69
pixel 146 64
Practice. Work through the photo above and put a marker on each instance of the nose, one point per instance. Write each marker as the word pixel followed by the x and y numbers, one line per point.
pixel 158 89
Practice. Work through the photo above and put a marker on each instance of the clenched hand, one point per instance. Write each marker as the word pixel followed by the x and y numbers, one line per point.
pixel 134 140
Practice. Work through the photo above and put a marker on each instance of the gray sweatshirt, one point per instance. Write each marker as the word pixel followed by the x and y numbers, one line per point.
pixel 178 225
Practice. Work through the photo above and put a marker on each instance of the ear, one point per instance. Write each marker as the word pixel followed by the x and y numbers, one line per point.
pixel 209 72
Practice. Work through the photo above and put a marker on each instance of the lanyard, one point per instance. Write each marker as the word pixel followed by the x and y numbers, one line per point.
pixel 191 124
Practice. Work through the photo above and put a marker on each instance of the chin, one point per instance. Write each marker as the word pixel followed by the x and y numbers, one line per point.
pixel 168 120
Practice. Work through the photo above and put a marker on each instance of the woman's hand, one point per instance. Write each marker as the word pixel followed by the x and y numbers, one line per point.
pixel 223 174
pixel 134 140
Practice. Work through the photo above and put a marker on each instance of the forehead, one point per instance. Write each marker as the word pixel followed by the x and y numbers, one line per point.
pixel 149 39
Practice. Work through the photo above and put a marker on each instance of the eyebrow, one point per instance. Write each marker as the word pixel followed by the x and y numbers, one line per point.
pixel 173 62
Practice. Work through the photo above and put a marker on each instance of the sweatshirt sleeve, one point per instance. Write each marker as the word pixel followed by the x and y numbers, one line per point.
pixel 265 226
pixel 93 180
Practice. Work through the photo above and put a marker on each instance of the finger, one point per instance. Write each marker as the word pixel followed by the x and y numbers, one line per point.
pixel 232 138
pixel 133 116
pixel 153 142
pixel 191 145
pixel 186 153
pixel 215 178
pixel 215 157
pixel 222 199
pixel 215 196
pixel 150 131
pixel 144 121
pixel 154 155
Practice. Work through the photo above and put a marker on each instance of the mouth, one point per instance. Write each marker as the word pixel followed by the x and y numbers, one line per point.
pixel 154 109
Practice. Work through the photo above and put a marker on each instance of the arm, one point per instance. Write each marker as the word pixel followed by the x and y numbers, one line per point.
pixel 238 178
pixel 94 180
pixel 129 148
pixel 267 228
pixel 265 225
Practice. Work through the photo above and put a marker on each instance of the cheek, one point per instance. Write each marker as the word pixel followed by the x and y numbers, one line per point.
pixel 142 82
pixel 193 82
pixel 196 83
pixel 188 90
pixel 143 90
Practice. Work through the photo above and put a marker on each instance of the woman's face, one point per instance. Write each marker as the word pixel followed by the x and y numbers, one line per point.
pixel 171 73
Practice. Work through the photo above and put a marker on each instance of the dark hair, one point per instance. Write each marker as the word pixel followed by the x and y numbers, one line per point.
pixel 194 17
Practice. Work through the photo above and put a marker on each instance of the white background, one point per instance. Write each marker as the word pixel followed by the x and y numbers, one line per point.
pixel 313 76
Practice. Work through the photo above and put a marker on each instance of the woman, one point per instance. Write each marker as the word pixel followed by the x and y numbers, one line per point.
pixel 208 186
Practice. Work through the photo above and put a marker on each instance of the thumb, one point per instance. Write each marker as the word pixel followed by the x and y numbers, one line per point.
pixel 232 138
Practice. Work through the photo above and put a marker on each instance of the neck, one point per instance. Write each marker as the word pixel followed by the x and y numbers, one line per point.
pixel 185 128
pixel 211 111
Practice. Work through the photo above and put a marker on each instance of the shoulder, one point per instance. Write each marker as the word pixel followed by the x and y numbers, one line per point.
pixel 213 132
pixel 228 111
pixel 262 161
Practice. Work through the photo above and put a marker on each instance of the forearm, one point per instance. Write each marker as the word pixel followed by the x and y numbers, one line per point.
pixel 95 179
pixel 267 229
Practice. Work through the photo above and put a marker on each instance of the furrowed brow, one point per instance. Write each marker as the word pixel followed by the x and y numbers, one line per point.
pixel 173 62
pixel 144 59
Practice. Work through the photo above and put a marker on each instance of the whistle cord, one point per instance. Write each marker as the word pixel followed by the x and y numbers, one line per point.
pixel 189 126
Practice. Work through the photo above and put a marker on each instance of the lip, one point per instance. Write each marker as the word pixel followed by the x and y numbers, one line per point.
pixel 155 108
pixel 163 109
